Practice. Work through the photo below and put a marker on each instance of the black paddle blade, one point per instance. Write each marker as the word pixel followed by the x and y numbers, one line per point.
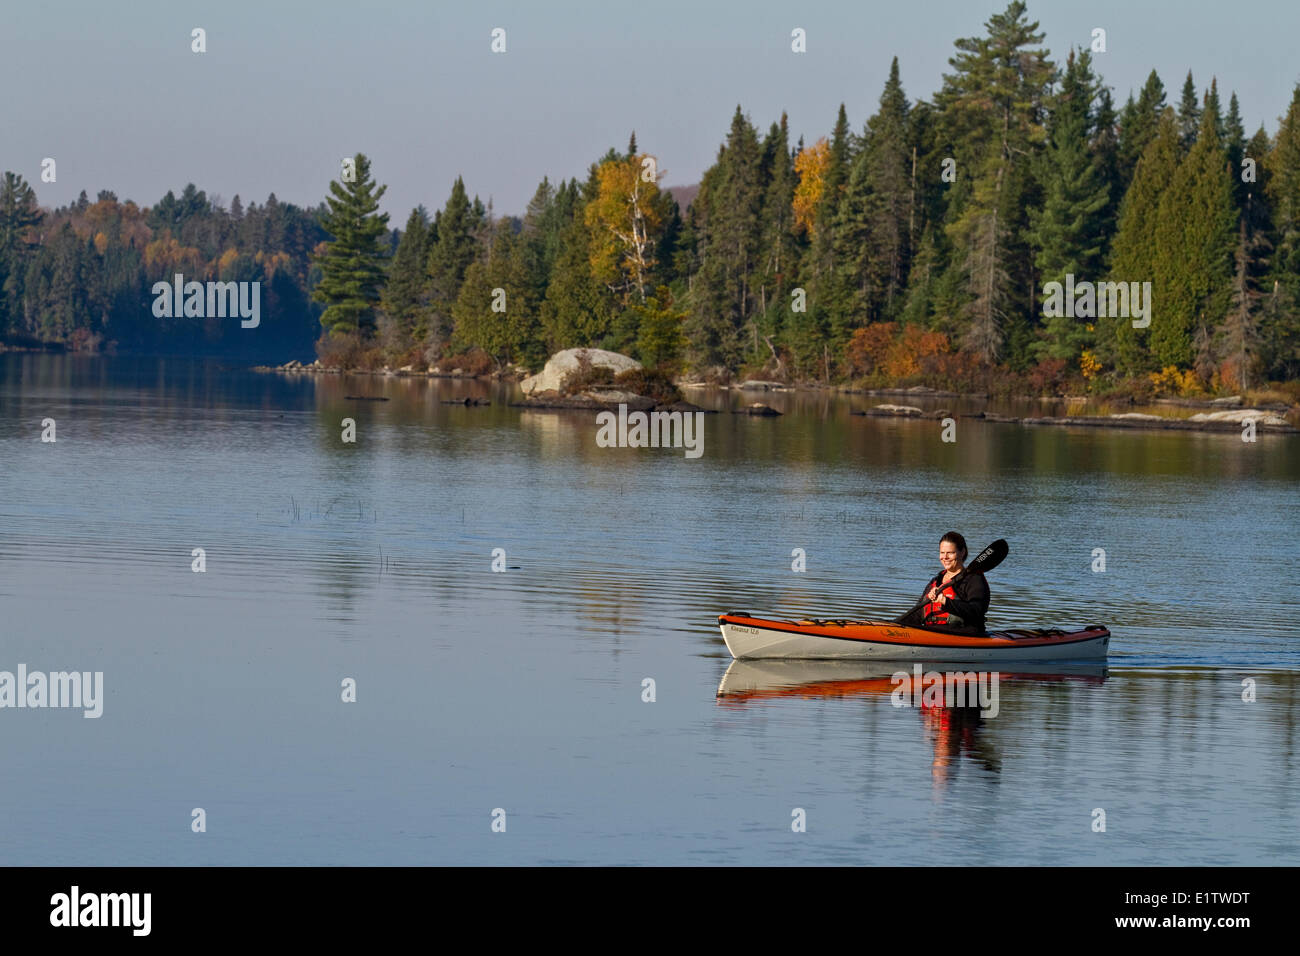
pixel 989 558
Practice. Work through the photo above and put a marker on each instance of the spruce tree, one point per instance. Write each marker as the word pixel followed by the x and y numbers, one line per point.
pixel 1194 239
pixel 459 227
pixel 1235 144
pixel 888 160
pixel 1138 126
pixel 729 226
pixel 576 312
pixel 779 247
pixel 352 264
pixel 1189 113
pixel 1283 191
pixel 1119 345
pixel 1105 157
pixel 405 298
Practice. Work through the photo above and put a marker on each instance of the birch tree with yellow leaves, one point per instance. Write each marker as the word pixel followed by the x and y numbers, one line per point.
pixel 625 222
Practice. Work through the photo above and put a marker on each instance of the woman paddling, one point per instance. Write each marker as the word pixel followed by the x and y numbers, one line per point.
pixel 955 600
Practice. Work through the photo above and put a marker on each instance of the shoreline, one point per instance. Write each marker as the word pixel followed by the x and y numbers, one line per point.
pixel 1234 403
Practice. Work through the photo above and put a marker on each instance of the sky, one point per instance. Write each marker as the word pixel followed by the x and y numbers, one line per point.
pixel 112 91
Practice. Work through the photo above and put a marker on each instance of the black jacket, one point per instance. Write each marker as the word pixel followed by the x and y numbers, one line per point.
pixel 971 603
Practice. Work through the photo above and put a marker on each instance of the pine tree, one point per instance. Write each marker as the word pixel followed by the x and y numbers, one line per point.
pixel 18 213
pixel 1067 228
pixel 993 106
pixel 352 264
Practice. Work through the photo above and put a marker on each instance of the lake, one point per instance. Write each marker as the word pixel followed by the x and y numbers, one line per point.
pixel 524 690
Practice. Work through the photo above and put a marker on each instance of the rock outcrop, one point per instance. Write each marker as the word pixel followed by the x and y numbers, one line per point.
pixel 563 364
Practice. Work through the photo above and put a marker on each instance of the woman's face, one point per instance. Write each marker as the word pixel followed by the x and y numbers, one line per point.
pixel 949 556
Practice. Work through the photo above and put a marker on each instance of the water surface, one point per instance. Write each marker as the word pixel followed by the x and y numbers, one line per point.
pixel 523 690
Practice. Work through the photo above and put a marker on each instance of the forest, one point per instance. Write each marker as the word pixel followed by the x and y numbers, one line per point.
pixel 917 247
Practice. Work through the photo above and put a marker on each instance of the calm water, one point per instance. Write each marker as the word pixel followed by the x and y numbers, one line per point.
pixel 522 690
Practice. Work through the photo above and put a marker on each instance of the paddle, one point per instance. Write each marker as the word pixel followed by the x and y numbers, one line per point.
pixel 986 560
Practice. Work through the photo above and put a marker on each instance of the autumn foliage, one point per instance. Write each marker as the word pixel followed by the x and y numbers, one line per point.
pixel 882 349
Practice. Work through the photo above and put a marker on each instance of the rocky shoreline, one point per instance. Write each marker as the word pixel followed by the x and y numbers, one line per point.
pixel 406 371
pixel 1220 421
pixel 1264 422
pixel 540 393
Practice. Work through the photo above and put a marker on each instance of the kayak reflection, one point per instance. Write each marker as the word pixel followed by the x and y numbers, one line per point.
pixel 747 680
pixel 954 700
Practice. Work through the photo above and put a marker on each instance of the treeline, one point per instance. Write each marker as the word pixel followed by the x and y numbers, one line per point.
pixel 81 276
pixel 915 248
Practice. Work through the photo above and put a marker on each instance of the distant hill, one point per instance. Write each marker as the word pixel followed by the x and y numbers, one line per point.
pixel 684 195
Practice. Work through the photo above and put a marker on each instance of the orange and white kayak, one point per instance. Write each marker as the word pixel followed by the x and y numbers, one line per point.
pixel 750 638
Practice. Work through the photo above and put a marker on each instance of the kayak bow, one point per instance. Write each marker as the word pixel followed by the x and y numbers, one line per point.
pixel 750 637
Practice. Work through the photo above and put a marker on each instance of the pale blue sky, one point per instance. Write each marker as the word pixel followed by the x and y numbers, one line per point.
pixel 111 91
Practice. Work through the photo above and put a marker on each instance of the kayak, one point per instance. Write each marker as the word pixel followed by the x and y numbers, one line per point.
pixel 749 637
pixel 758 680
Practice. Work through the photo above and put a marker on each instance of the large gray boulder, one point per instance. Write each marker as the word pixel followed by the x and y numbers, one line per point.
pixel 562 364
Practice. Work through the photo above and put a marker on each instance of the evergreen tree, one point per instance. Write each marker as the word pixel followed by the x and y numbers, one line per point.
pixel 352 263
pixel 993 108
pixel 18 213
pixel 1215 109
pixel 1106 159
pixel 405 296
pixel 1194 241
pixel 576 312
pixel 780 248
pixel 1235 143
pixel 1283 192
pixel 1239 336
pixel 661 341
pixel 888 159
pixel 459 226
pixel 1119 345
pixel 1138 124
pixel 1189 113
pixel 729 241
pixel 1067 228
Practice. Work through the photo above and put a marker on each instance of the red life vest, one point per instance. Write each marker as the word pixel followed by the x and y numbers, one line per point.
pixel 932 612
